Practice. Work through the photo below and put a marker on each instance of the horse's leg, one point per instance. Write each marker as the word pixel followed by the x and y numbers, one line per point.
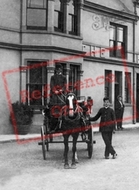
pixel 74 150
pixel 76 156
pixel 66 149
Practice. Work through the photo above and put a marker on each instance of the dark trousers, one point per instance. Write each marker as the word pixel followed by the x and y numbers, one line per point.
pixel 107 137
pixel 119 117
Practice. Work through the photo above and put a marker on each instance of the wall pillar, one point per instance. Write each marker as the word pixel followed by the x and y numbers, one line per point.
pixel 50 72
pixel 80 18
pixel 66 16
pixel 50 24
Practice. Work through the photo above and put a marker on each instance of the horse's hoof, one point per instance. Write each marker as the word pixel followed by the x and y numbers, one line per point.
pixel 73 166
pixel 66 166
pixel 76 161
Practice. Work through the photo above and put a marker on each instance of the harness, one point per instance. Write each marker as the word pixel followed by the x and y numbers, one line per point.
pixel 65 110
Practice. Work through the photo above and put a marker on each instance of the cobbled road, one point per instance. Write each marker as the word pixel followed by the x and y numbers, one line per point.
pixel 22 166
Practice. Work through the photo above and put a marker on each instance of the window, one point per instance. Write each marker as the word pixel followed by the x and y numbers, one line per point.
pixel 118 84
pixel 108 84
pixel 73 18
pixel 37 14
pixel 59 15
pixel 127 87
pixel 74 78
pixel 36 84
pixel 118 40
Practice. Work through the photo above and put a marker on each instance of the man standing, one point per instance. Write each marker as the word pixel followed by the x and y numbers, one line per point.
pixel 119 110
pixel 107 126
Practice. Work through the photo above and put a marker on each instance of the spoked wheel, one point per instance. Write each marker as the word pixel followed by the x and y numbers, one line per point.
pixel 47 139
pixel 47 145
pixel 90 142
pixel 43 142
pixel 90 150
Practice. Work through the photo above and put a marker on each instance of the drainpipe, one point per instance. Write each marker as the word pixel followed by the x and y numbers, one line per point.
pixel 20 46
pixel 134 93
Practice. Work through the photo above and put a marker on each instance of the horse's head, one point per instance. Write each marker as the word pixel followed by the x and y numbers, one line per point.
pixel 71 102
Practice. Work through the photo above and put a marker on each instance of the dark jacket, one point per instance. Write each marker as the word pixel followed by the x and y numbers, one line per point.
pixel 119 108
pixel 107 121
pixel 58 82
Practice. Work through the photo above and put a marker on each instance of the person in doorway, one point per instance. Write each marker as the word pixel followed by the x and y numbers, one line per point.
pixel 119 111
pixel 106 127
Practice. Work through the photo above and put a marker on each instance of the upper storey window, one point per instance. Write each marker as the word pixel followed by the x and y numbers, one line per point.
pixel 73 17
pixel 59 16
pixel 37 14
pixel 118 40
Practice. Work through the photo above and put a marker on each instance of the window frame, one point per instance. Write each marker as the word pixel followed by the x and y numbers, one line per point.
pixel 28 96
pixel 75 19
pixel 37 8
pixel 127 98
pixel 115 51
pixel 61 17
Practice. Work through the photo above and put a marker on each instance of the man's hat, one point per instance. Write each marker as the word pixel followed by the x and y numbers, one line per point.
pixel 119 96
pixel 58 66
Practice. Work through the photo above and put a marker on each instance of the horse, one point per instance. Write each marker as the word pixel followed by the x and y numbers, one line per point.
pixel 71 123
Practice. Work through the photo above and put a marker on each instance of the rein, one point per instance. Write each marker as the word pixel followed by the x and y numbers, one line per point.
pixel 67 118
pixel 61 98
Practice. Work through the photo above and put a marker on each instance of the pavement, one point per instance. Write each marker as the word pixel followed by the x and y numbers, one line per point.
pixel 12 137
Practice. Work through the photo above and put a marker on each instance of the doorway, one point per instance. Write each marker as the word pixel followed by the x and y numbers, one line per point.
pixel 118 85
pixel 137 99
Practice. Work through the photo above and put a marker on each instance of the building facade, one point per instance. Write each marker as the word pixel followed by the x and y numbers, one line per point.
pixel 95 41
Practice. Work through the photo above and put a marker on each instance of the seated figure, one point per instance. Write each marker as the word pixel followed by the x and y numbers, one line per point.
pixel 57 86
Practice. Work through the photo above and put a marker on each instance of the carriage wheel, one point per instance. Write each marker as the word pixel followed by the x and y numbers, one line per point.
pixel 90 142
pixel 47 145
pixel 43 142
pixel 90 150
pixel 47 139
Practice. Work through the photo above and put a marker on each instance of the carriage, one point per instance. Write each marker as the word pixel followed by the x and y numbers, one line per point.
pixel 53 125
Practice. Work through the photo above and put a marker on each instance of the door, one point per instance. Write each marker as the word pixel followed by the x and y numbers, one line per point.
pixel 118 85
pixel 137 99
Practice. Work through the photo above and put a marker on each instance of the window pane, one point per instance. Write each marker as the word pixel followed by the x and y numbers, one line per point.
pixel 57 5
pixel 71 7
pixel 73 77
pixel 120 34
pixel 127 87
pixel 112 33
pixel 118 49
pixel 37 79
pixel 35 99
pixel 111 43
pixel 59 16
pixel 36 75
pixel 36 17
pixel 58 22
pixel 37 3
pixel 73 17
pixel 112 51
